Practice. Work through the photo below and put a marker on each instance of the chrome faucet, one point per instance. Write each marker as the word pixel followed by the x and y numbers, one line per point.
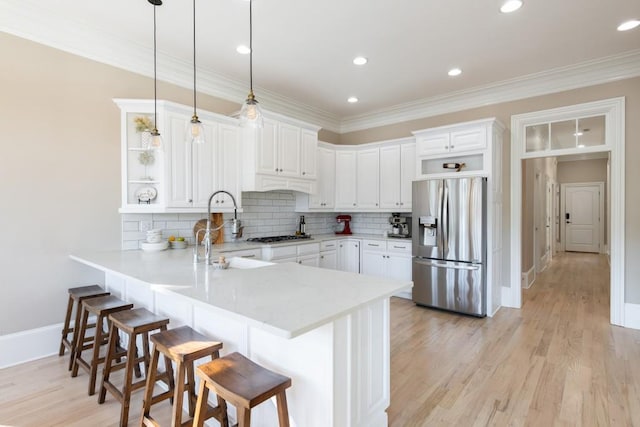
pixel 236 227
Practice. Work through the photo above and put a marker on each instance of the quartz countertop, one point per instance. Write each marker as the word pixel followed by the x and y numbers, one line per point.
pixel 285 299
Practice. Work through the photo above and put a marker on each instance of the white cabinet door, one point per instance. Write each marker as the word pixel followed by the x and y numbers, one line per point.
pixel 203 172
pixel 308 152
pixel 373 263
pixel 179 194
pixel 228 165
pixel 346 179
pixel 407 173
pixel 349 255
pixel 468 140
pixel 367 179
pixel 288 150
pixel 310 260
pixel 329 260
pixel 266 148
pixel 324 198
pixel 390 177
pixel 433 144
pixel 398 267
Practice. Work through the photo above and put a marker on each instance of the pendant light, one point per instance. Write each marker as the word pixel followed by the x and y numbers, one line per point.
pixel 195 129
pixel 156 138
pixel 251 113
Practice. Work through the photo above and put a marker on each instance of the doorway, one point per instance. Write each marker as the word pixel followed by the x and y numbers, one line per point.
pixel 583 217
pixel 611 113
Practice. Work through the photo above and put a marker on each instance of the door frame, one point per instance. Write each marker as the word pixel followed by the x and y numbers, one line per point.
pixel 563 233
pixel 614 111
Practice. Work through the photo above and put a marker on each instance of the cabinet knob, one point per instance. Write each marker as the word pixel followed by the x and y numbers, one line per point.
pixel 304 173
pixel 217 201
pixel 276 169
pixel 280 170
pixel 321 256
pixel 356 246
pixel 452 147
pixel 397 203
pixel 401 204
pixel 299 262
pixel 190 200
pixel 354 204
pixel 376 204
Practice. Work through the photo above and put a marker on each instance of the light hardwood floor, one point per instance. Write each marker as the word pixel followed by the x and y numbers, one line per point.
pixel 556 362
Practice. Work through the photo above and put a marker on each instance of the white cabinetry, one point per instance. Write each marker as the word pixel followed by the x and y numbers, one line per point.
pixel 478 144
pixel 305 253
pixel 349 255
pixel 183 175
pixel 325 170
pixel 390 259
pixel 329 254
pixel 346 178
pixel 195 171
pixel 397 172
pixel 280 156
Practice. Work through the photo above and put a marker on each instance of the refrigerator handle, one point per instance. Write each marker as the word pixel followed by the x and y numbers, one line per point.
pixel 449 266
pixel 445 220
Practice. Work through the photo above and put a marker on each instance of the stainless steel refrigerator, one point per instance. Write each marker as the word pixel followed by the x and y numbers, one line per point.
pixel 449 244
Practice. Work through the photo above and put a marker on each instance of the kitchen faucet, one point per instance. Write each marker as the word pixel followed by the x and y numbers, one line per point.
pixel 236 228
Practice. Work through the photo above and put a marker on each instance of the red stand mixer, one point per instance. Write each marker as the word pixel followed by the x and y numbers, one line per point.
pixel 344 228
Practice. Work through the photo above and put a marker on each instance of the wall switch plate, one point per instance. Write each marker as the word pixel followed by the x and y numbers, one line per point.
pixel 145 225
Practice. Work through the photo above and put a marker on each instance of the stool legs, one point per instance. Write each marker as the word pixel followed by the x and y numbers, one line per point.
pixel 152 375
pixel 283 410
pixel 65 329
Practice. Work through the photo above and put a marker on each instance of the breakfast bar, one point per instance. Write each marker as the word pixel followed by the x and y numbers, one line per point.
pixel 327 330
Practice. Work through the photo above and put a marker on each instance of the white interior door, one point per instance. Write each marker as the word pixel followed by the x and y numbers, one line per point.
pixel 582 217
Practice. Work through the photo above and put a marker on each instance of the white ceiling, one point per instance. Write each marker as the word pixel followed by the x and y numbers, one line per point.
pixel 303 49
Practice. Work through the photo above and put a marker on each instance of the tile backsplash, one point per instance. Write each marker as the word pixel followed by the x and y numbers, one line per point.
pixel 268 213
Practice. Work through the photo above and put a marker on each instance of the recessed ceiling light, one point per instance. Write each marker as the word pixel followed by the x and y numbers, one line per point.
pixel 352 99
pixel 360 60
pixel 242 49
pixel 455 72
pixel 629 25
pixel 511 6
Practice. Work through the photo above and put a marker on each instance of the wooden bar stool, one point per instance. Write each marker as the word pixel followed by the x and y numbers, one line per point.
pixel 183 346
pixel 76 296
pixel 101 307
pixel 244 384
pixel 135 322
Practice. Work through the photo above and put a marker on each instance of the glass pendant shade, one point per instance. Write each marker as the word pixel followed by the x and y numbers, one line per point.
pixel 251 113
pixel 195 131
pixel 156 140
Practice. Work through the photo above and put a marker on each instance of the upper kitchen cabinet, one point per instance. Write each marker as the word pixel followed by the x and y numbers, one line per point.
pixel 280 156
pixel 182 176
pixel 357 179
pixel 325 169
pixel 397 172
pixel 445 140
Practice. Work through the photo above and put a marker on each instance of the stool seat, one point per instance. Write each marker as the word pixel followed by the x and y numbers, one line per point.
pixel 183 346
pixel 76 296
pixel 134 322
pixel 101 307
pixel 244 384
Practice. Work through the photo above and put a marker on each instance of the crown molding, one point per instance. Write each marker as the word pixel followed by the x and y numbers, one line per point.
pixel 42 23
pixel 602 70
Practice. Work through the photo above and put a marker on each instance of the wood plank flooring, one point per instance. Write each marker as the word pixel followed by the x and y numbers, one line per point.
pixel 556 362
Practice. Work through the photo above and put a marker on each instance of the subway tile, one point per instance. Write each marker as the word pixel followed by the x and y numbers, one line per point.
pixel 130 225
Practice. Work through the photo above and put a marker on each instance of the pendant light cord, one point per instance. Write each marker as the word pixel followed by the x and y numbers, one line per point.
pixel 194 58
pixel 251 46
pixel 155 79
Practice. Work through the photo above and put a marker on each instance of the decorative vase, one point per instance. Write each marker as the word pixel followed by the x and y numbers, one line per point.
pixel 145 139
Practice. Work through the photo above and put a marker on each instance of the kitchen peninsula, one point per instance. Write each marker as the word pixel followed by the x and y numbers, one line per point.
pixel 327 330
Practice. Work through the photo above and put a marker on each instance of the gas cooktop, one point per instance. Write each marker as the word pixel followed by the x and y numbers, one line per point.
pixel 275 239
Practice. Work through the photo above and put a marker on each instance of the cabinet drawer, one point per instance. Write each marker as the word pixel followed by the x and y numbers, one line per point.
pixel 328 245
pixel 249 253
pixel 403 246
pixel 279 252
pixel 308 248
pixel 373 245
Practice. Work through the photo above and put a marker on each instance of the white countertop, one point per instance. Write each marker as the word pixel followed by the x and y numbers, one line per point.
pixel 285 299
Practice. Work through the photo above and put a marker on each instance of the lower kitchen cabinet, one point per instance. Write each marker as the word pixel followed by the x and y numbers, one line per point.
pixel 306 254
pixel 388 259
pixel 329 254
pixel 349 255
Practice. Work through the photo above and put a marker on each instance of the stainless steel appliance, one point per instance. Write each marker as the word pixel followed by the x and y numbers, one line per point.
pixel 449 244
pixel 277 239
pixel 400 226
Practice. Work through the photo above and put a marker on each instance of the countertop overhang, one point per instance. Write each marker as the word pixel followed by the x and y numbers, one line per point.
pixel 285 299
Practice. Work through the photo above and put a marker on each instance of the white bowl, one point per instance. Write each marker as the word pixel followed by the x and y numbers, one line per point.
pixel 154 247
pixel 178 244
pixel 220 265
pixel 154 239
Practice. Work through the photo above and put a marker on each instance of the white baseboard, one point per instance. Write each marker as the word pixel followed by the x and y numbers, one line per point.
pixel 631 315
pixel 29 345
pixel 528 277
